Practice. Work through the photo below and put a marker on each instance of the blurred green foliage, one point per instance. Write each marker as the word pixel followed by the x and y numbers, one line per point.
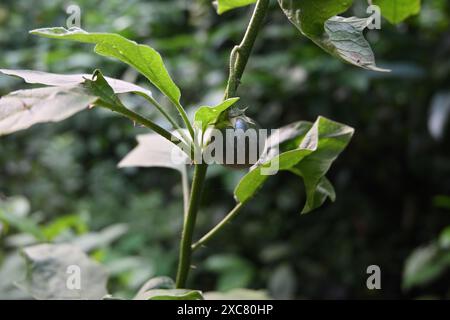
pixel 386 180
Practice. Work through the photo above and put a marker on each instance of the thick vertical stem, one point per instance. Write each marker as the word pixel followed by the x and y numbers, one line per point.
pixel 240 54
pixel 184 263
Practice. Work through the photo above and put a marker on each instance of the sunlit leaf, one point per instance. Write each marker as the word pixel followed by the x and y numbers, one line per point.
pixel 395 11
pixel 142 57
pixel 225 5
pixel 50 268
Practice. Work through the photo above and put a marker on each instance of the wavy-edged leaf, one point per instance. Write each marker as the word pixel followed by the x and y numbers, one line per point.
pixel 170 294
pixel 49 272
pixel 313 148
pixel 143 58
pixel 395 11
pixel 341 37
pixel 226 5
pixel 206 115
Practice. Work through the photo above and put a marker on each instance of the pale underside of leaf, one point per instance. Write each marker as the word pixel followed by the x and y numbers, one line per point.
pixel 155 151
pixel 21 109
pixel 65 97
pixel 341 37
pixel 62 80
pixel 345 39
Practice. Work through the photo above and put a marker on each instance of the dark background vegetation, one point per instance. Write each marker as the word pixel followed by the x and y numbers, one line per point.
pixel 392 182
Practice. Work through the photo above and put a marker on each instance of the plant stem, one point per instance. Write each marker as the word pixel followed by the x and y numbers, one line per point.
pixel 184 263
pixel 240 54
pixel 218 227
pixel 172 121
pixel 137 118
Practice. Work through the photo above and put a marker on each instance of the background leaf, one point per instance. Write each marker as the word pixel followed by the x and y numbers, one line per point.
pixel 47 273
pixel 395 11
pixel 226 5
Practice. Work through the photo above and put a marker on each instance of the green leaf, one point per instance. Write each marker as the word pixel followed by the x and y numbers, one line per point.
pixel 309 16
pixel 226 5
pixel 395 11
pixel 143 58
pixel 99 87
pixel 170 294
pixel 206 115
pixel 424 265
pixel 341 37
pixel 315 148
pixel 49 269
pixel 333 138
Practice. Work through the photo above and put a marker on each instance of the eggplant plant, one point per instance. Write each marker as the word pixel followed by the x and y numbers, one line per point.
pixel 305 149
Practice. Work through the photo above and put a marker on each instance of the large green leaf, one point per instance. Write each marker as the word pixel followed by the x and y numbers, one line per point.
pixel 341 37
pixel 225 5
pixel 143 58
pixel 314 149
pixel 49 272
pixel 395 11
pixel 206 115
pixel 332 137
pixel 309 16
